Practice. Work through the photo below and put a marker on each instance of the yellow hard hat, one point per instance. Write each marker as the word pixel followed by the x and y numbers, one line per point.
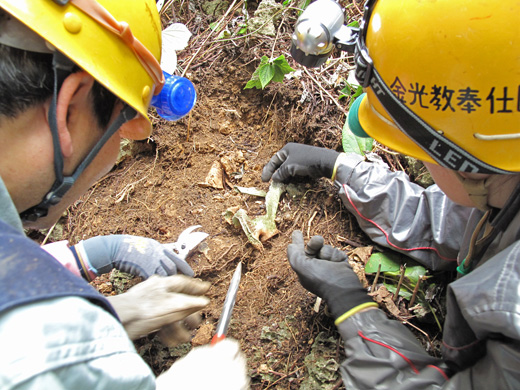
pixel 118 43
pixel 443 81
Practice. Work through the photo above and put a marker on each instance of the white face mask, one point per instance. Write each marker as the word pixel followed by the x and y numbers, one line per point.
pixel 16 34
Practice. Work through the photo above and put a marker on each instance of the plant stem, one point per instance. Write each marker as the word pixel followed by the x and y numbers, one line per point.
pixel 403 268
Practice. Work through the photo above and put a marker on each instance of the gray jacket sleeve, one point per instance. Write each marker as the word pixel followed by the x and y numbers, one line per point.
pixel 421 223
pixel 384 354
pixel 481 345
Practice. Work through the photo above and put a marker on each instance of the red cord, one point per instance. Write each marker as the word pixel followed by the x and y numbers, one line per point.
pixel 386 234
pixel 392 349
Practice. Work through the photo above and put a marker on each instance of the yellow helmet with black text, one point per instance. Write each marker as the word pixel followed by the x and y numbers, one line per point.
pixel 442 81
pixel 118 43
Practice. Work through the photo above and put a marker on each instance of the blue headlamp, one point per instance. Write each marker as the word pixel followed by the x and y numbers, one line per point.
pixel 176 98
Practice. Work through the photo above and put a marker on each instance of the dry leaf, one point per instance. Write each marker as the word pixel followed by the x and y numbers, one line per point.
pixel 361 254
pixel 386 299
pixel 215 177
pixel 232 162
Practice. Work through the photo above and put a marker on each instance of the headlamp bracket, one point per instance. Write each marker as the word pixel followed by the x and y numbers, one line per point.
pixel 346 38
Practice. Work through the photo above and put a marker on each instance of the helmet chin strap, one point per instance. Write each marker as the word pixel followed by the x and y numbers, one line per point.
pixel 493 222
pixel 477 190
pixel 62 68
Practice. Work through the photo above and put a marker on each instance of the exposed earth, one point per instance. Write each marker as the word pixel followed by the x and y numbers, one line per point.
pixel 160 187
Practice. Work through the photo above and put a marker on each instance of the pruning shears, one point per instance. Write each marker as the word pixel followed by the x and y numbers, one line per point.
pixel 229 303
pixel 187 240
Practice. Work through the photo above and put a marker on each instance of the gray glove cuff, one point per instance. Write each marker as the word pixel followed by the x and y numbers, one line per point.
pixel 96 255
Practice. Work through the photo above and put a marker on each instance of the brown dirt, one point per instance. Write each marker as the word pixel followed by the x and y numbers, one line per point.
pixel 156 194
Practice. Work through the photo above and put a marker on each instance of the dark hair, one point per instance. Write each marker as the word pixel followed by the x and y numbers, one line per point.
pixel 27 79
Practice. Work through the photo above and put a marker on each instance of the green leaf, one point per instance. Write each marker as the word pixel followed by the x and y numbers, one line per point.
pixel 268 71
pixel 303 4
pixel 345 91
pixel 282 63
pixel 264 60
pixel 355 144
pixel 348 89
pixel 253 84
pixel 278 75
pixel 403 291
pixel 224 34
pixel 412 273
pixel 389 262
pixel 285 68
pixel 265 74
pixel 251 191
pixel 359 91
pixel 391 266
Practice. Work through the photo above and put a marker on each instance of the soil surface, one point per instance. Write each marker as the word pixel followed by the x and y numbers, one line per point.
pixel 161 187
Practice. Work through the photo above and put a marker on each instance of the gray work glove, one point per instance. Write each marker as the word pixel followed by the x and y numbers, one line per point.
pixel 162 303
pixel 135 255
pixel 300 160
pixel 218 366
pixel 324 271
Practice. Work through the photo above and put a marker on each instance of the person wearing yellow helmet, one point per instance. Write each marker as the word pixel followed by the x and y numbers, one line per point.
pixel 75 76
pixel 435 93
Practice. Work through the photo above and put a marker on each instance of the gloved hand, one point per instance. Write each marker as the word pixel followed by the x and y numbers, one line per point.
pixel 160 302
pixel 179 332
pixel 135 255
pixel 300 160
pixel 324 271
pixel 219 366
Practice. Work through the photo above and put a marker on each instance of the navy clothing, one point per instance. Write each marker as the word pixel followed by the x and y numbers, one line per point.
pixel 43 276
pixel 56 331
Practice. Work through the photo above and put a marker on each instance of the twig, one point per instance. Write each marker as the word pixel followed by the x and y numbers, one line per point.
pixel 401 277
pixel 254 31
pixel 377 277
pixel 49 233
pixel 188 130
pixel 269 109
pixel 399 163
pixel 310 221
pixel 338 384
pixel 166 6
pixel 277 34
pixel 327 92
pixel 357 8
pixel 416 328
pixel 209 35
pixel 129 187
pixel 279 379
pixel 415 290
pixel 317 304
pixel 226 263
pixel 292 333
pixel 349 242
pixel 226 252
pixel 385 150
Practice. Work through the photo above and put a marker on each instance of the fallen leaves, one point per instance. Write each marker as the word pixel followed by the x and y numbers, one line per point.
pixel 231 165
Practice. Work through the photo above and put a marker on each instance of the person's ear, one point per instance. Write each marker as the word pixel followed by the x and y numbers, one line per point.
pixel 73 98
